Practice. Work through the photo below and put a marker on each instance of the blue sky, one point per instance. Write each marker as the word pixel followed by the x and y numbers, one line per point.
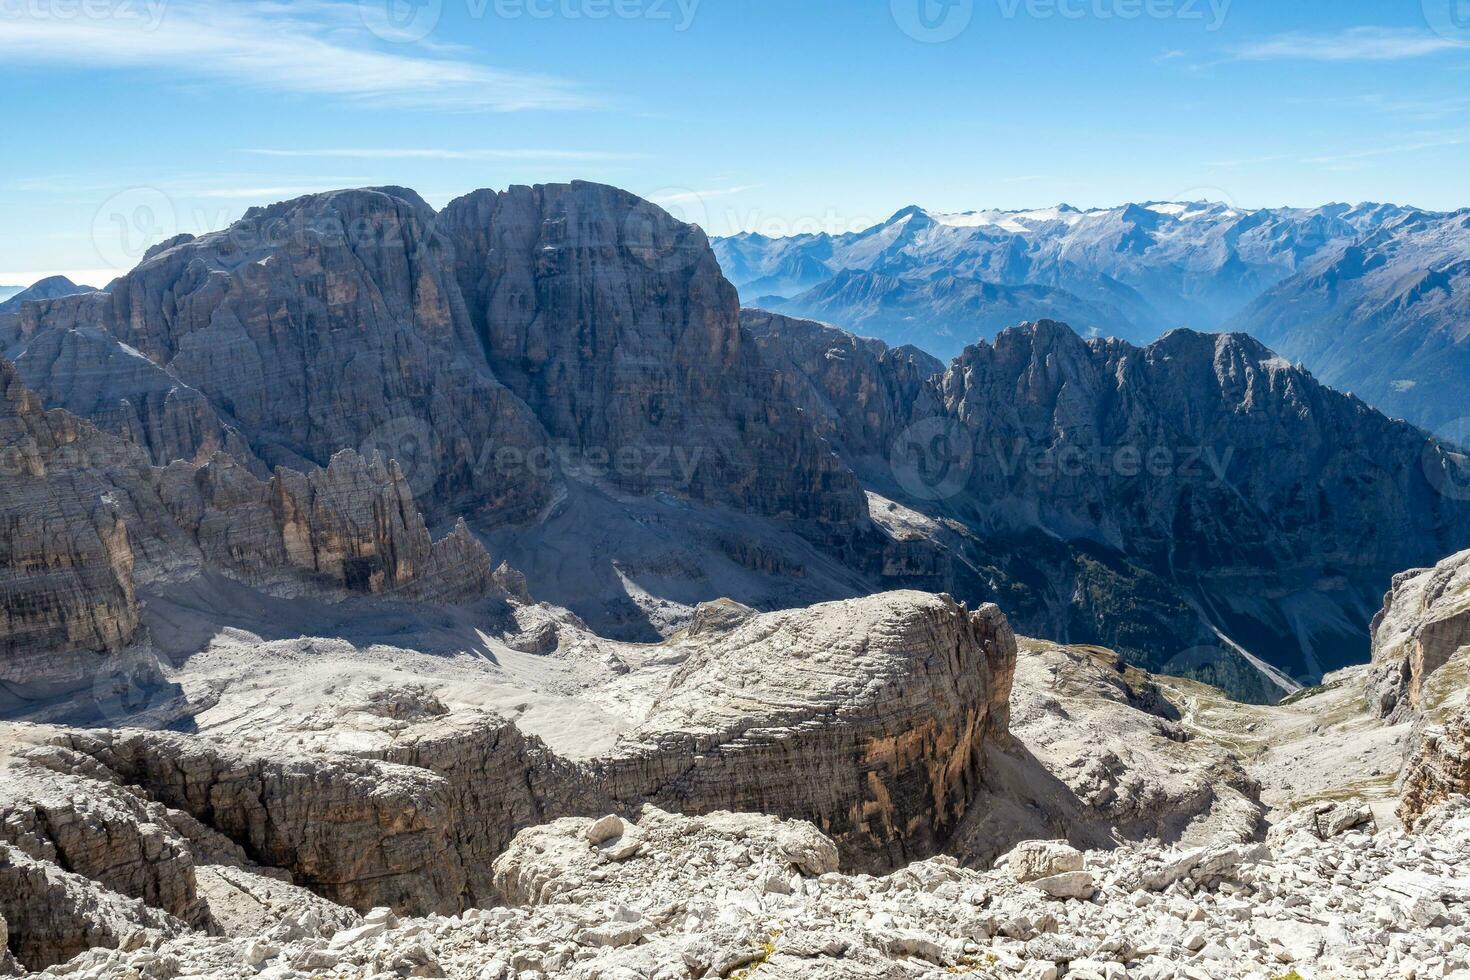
pixel 148 116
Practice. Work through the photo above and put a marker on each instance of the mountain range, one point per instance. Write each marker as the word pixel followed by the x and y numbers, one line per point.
pixel 1370 297
pixel 1387 317
pixel 354 398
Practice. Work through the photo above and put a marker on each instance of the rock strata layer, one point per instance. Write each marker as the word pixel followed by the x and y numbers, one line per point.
pixel 87 520
pixel 874 718
pixel 1424 622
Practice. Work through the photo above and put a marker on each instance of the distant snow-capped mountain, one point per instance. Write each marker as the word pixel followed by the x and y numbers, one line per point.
pixel 1386 317
pixel 1154 266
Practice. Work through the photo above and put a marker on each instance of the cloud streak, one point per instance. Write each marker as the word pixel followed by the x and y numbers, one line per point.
pixel 674 196
pixel 1355 44
pixel 435 153
pixel 309 47
pixel 1414 146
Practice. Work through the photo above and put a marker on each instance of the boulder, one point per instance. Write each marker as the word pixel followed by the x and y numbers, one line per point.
pixel 1030 860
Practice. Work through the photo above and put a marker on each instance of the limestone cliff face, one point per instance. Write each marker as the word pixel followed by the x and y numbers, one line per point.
pixel 910 688
pixel 103 833
pixel 1424 622
pixel 85 519
pixel 860 392
pixel 66 565
pixel 1150 499
pixel 612 321
pixel 353 526
pixel 328 322
pixel 873 718
pixel 1300 492
pixel 1144 498
pixel 362 319
pixel 243 363
pixel 100 379
pixel 1215 465
pixel 1438 768
pixel 1421 662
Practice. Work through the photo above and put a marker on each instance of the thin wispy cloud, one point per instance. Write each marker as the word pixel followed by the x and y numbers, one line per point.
pixel 1425 109
pixel 187 185
pixel 691 197
pixel 1355 44
pixel 310 47
pixel 1249 161
pixel 433 153
pixel 1413 146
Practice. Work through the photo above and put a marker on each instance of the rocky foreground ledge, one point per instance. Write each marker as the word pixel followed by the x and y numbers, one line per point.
pixel 668 897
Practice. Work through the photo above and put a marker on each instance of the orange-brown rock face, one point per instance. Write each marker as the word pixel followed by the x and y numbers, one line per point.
pixel 1424 622
pixel 869 717
pixel 84 518
pixel 1439 767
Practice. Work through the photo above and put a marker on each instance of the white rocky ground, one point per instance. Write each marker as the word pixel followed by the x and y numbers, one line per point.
pixel 731 895
pixel 1166 787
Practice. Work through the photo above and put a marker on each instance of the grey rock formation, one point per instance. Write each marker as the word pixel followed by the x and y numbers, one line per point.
pixel 363 320
pixel 1424 623
pixel 732 895
pixel 1421 675
pixel 87 520
pixel 102 832
pixel 328 322
pixel 52 287
pixel 353 526
pixel 1213 466
pixel 859 392
pixel 66 563
pixel 1439 768
pixel 1147 499
pixel 874 718
pixel 53 915
pixel 565 367
pixel 100 379
pixel 612 321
